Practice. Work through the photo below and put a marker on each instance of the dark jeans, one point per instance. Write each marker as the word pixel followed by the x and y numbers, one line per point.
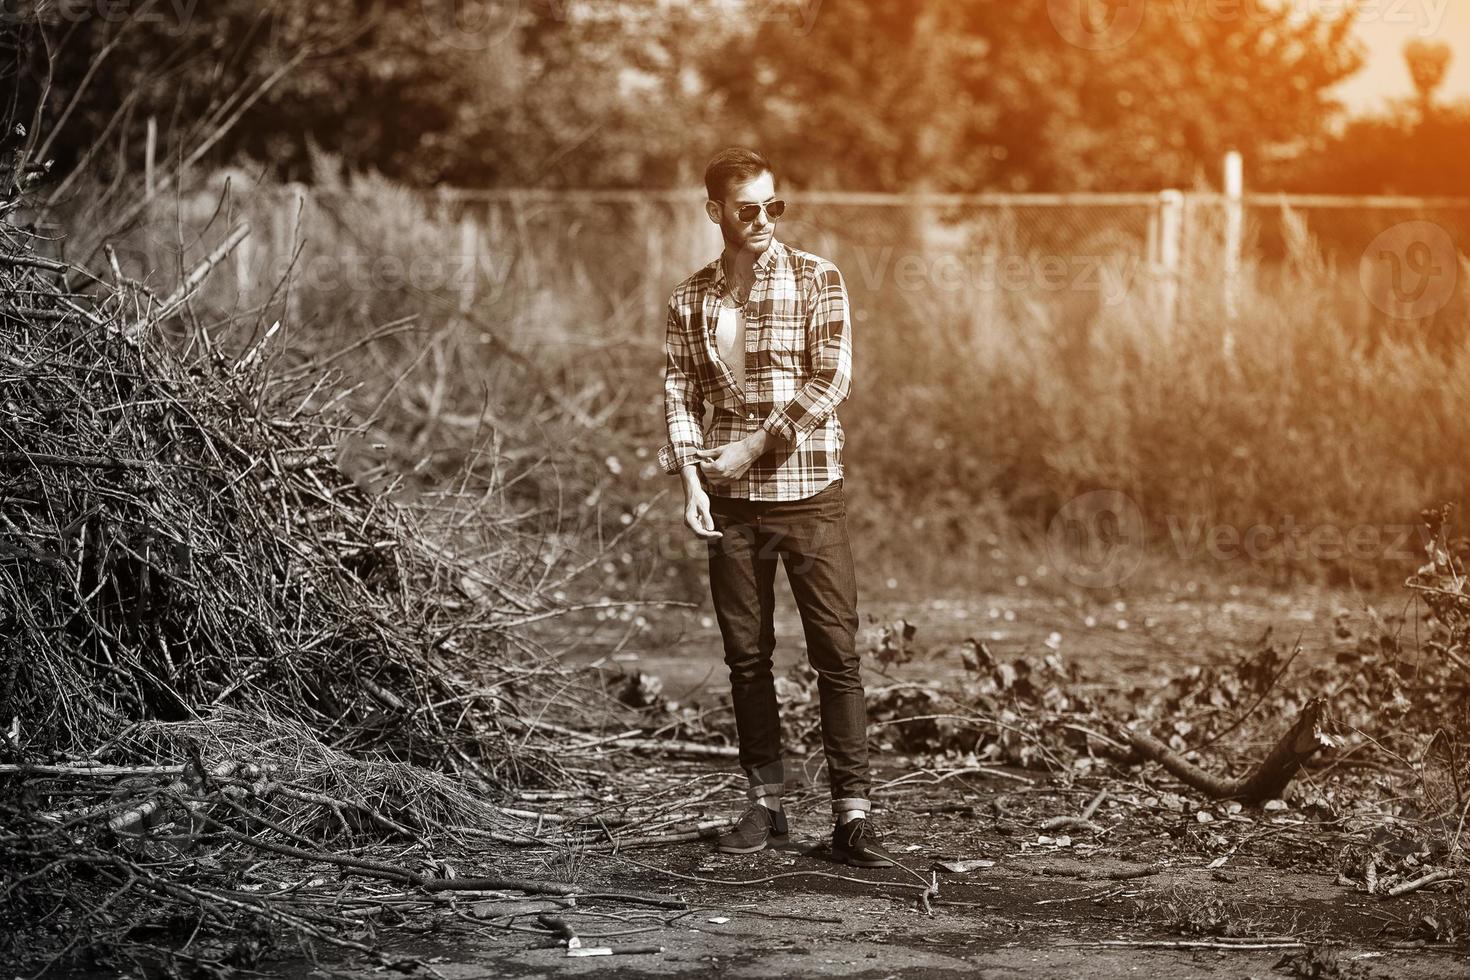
pixel 810 537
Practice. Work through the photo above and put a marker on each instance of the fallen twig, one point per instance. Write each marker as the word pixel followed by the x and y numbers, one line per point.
pixel 1433 878
pixel 1071 823
pixel 634 741
pixel 704 831
pixel 394 873
pixel 1097 801
pixel 1194 944
pixel 1105 893
pixel 1124 874
pixel 926 889
pixel 84 770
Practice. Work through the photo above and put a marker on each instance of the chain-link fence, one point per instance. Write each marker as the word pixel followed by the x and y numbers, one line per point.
pixel 1390 266
pixel 1052 255
pixel 559 267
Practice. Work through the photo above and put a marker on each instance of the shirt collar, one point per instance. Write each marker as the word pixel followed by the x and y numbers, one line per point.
pixel 763 265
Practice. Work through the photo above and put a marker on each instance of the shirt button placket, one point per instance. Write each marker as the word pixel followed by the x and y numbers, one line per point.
pixel 751 343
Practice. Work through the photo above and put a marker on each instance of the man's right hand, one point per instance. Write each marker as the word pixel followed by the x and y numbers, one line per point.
pixel 697 516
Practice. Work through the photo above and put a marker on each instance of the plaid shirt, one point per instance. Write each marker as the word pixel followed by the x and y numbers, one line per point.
pixel 798 367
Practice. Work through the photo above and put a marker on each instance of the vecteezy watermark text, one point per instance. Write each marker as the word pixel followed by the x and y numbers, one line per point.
pixel 1289 541
pixel 1111 276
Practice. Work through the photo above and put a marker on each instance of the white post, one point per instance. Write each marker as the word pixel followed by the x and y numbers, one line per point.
pixel 1169 242
pixel 244 280
pixel 469 260
pixel 150 149
pixel 1234 233
pixel 298 219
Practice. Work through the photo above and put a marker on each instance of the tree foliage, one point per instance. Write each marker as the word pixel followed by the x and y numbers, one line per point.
pixel 967 94
pixel 1418 146
pixel 860 94
pixel 363 78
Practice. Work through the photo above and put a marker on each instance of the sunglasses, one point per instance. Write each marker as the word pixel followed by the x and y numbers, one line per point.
pixel 747 212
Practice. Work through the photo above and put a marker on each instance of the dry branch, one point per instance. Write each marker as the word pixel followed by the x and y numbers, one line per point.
pixel 1433 878
pixel 633 741
pixel 1070 823
pixel 80 770
pixel 191 282
pixel 1300 742
pixel 133 816
pixel 394 873
pixel 1093 804
pixel 1195 944
pixel 1094 874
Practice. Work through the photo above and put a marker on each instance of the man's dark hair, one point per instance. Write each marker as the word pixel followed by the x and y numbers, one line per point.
pixel 732 166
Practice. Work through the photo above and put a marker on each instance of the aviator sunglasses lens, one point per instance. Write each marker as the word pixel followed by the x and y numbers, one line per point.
pixel 747 212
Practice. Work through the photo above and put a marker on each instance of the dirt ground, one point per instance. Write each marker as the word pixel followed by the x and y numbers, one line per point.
pixel 1039 910
pixel 1174 886
pixel 1131 636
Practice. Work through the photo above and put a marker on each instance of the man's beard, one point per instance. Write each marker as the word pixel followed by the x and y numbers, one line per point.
pixel 737 239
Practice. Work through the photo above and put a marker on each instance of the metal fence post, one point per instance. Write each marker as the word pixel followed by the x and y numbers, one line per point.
pixel 150 150
pixel 467 268
pixel 1234 236
pixel 284 239
pixel 1167 241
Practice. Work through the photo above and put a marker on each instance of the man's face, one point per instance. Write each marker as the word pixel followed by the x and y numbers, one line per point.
pixel 754 236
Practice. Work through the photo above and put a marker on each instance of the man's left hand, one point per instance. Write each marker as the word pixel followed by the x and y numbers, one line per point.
pixel 731 461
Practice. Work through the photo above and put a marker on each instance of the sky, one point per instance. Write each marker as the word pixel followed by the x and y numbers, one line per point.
pixel 1384 27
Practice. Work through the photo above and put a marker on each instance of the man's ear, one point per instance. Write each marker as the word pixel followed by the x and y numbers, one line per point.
pixel 713 210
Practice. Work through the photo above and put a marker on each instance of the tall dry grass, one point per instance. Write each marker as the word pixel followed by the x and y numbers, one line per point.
pixel 528 335
pixel 1293 414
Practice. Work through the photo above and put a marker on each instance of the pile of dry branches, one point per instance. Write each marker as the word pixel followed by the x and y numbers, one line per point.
pixel 216 645
pixel 178 540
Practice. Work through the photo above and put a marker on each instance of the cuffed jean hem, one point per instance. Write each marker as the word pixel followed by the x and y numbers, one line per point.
pixel 852 803
pixel 766 780
pixel 769 789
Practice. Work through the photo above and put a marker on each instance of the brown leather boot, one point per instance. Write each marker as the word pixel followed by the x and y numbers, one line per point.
pixel 856 843
pixel 757 829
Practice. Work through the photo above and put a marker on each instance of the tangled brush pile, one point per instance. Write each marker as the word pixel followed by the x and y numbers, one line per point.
pixel 178 539
pixel 214 639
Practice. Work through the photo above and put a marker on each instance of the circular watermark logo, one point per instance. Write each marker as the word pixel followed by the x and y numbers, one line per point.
pixel 1096 540
pixel 470 25
pixel 1096 24
pixel 1410 270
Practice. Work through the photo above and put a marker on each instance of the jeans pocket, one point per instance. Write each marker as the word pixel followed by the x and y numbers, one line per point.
pixel 834 501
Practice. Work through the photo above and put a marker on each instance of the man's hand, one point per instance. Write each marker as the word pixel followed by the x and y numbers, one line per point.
pixel 731 461
pixel 697 516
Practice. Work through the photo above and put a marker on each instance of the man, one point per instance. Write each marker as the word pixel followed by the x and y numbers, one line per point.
pixel 763 336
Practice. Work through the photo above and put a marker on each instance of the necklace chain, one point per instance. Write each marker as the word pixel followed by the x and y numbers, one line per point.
pixel 735 288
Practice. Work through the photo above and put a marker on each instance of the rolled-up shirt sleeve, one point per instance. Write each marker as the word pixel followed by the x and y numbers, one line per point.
pixel 829 342
pixel 683 400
